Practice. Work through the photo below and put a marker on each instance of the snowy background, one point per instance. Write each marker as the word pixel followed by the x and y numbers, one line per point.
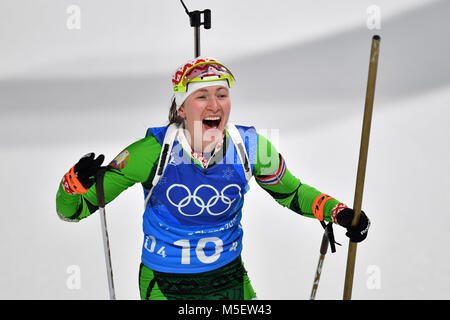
pixel 301 69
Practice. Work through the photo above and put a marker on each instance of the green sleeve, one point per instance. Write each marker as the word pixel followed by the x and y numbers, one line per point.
pixel 135 164
pixel 287 189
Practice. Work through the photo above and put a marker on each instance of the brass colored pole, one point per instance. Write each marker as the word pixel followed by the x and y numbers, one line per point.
pixel 370 92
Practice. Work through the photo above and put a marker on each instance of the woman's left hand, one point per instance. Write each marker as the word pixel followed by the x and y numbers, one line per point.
pixel 357 233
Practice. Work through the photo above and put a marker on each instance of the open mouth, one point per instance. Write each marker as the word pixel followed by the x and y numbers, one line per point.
pixel 211 122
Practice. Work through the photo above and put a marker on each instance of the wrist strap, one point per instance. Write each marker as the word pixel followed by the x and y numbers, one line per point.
pixel 73 183
pixel 330 235
pixel 319 204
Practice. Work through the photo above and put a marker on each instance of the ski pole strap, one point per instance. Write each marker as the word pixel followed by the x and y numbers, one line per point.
pixel 99 186
pixel 330 235
pixel 319 204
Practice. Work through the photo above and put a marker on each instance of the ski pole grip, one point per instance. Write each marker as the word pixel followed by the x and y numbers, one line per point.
pixel 99 186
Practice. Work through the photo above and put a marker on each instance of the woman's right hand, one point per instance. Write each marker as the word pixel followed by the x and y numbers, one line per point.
pixel 82 175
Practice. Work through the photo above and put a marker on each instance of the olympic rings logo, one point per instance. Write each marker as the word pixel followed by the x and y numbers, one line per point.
pixel 199 202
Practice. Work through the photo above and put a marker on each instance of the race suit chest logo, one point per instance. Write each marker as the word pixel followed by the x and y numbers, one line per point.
pixel 204 198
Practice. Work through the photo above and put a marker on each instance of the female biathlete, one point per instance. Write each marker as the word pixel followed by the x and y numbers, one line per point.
pixel 195 173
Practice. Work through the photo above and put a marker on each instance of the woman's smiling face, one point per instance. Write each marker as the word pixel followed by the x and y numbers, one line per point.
pixel 206 112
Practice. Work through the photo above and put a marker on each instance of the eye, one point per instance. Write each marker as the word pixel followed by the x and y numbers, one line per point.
pixel 222 95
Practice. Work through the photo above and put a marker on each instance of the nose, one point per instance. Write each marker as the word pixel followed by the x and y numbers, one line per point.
pixel 213 103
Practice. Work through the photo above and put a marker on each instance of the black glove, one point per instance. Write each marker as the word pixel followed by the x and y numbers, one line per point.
pixel 357 233
pixel 86 168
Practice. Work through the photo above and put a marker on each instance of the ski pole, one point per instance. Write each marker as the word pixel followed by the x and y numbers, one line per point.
pixel 328 238
pixel 323 252
pixel 370 92
pixel 101 206
pixel 195 20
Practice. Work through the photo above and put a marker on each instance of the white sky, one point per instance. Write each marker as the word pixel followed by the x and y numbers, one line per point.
pixel 146 36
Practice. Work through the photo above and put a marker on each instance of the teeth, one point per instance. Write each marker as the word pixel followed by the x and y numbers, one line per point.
pixel 212 118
